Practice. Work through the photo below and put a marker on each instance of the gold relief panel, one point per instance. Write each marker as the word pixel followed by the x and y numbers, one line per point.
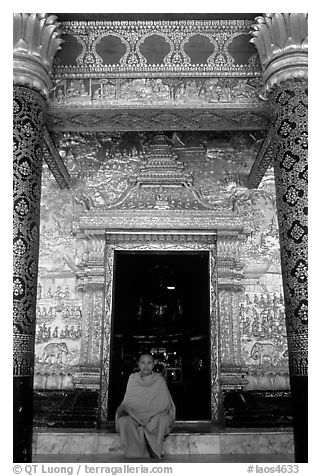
pixel 262 329
pixel 156 92
pixel 87 314
pixel 229 325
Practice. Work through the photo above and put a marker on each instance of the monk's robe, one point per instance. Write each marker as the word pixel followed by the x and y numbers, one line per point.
pixel 145 416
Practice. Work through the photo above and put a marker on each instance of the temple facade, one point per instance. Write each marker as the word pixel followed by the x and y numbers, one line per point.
pixel 160 203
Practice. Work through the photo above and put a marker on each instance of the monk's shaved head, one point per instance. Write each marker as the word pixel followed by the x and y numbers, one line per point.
pixel 146 354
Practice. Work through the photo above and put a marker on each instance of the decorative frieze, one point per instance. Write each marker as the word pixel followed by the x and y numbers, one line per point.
pixel 93 93
pixel 158 119
pixel 157 48
pixel 139 238
pixel 160 220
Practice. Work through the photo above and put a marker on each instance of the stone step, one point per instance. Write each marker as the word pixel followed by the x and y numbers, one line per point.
pixel 223 442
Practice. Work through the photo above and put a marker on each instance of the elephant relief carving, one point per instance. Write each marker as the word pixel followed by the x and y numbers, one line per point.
pixel 53 353
pixel 265 352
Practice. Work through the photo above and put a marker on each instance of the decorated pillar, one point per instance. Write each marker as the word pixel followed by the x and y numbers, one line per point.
pixel 35 42
pixel 230 288
pixel 91 283
pixel 282 43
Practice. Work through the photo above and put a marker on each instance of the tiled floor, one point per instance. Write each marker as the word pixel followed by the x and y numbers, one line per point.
pixel 179 427
pixel 223 458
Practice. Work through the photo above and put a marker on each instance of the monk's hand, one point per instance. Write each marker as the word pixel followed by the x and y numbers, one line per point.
pixel 145 421
pixel 121 411
pixel 141 421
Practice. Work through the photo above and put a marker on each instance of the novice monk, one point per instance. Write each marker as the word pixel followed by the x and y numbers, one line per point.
pixel 147 412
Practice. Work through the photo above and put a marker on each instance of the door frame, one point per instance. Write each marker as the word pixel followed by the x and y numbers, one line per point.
pixel 178 241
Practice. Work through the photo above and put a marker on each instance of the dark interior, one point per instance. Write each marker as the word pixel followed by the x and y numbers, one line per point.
pixel 161 305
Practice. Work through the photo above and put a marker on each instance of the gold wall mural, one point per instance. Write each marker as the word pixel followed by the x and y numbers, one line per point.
pixel 102 167
pixel 59 307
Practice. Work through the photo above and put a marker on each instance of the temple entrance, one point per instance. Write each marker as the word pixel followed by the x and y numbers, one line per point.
pixel 161 304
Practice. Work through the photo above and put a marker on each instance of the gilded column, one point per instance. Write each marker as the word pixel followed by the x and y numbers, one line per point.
pixel 282 43
pixel 91 282
pixel 35 42
pixel 230 287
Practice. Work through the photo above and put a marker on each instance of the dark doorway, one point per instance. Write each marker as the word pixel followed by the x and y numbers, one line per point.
pixel 161 305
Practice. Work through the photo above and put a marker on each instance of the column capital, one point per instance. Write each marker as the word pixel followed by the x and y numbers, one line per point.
pixel 282 43
pixel 229 267
pixel 36 40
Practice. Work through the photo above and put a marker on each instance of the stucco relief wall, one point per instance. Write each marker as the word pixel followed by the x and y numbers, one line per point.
pixel 156 91
pixel 61 336
pixel 102 167
pixel 59 310
pixel 263 339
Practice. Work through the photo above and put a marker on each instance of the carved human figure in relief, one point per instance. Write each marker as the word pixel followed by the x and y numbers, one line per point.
pixel 60 95
pixel 82 89
pixel 39 291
